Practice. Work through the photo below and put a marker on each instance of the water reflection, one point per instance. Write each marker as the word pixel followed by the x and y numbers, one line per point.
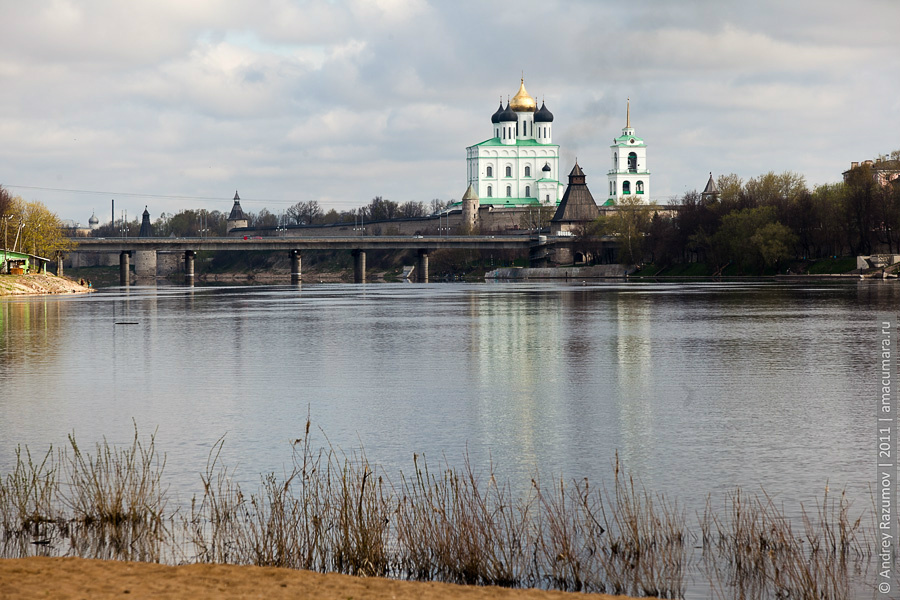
pixel 699 387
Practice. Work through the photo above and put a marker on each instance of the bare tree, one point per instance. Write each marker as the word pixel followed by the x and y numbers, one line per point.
pixel 413 209
pixel 305 213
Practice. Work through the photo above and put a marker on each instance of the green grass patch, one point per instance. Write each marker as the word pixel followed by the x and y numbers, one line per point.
pixel 829 266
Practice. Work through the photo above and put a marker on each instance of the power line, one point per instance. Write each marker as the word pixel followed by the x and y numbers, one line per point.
pixel 137 195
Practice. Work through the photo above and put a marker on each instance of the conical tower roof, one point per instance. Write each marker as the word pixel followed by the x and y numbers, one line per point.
pixel 711 189
pixel 146 228
pixel 236 212
pixel 577 204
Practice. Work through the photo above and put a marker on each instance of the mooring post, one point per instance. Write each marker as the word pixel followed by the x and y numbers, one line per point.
pixel 422 267
pixel 124 267
pixel 295 266
pixel 189 267
pixel 359 266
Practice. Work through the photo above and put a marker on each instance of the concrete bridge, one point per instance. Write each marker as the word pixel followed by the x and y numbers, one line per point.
pixel 146 248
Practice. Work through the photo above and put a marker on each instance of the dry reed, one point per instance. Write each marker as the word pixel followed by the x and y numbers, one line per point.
pixel 336 512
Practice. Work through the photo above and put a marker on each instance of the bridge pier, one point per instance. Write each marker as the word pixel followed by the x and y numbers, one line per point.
pixel 295 266
pixel 422 267
pixel 359 266
pixel 145 263
pixel 124 267
pixel 189 267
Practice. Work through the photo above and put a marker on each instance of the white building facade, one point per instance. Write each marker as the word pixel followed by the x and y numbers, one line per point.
pixel 519 164
pixel 629 175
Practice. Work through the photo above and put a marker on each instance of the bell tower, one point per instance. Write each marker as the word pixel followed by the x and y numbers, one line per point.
pixel 629 175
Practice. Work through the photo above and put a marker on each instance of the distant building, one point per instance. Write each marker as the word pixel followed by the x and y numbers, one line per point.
pixel 884 170
pixel 519 164
pixel 577 206
pixel 237 218
pixel 93 222
pixel 146 227
pixel 710 193
pixel 629 175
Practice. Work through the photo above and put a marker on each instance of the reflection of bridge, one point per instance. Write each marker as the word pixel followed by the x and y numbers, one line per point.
pixel 147 248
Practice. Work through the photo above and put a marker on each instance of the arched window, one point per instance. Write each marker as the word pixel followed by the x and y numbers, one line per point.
pixel 528 191
pixel 612 188
pixel 504 133
pixel 527 171
pixel 490 171
pixel 639 187
pixel 615 162
pixel 632 162
pixel 509 191
pixel 508 171
pixel 490 191
pixel 626 187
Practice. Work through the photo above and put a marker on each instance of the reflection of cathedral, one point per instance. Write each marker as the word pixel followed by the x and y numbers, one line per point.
pixel 519 165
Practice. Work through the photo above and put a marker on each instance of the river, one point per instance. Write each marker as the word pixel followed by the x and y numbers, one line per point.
pixel 699 387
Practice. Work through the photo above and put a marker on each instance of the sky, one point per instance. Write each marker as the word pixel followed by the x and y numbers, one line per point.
pixel 172 104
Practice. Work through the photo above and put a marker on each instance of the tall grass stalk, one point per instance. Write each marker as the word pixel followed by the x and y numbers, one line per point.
pixel 337 512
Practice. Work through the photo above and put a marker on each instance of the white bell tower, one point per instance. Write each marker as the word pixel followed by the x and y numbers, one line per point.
pixel 629 175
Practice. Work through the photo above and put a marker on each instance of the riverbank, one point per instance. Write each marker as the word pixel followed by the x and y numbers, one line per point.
pixel 40 577
pixel 19 285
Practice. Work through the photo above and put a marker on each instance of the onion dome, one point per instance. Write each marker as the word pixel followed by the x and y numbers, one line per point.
pixel 507 115
pixel 522 102
pixel 543 115
pixel 495 118
pixel 546 168
pixel 93 220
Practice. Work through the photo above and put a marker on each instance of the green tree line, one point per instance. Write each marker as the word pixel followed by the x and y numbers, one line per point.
pixel 764 221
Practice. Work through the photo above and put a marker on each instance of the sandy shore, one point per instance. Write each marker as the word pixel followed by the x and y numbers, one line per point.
pixel 78 578
pixel 15 285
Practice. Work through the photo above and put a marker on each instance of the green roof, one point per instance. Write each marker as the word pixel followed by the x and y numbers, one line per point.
pixel 622 140
pixel 510 201
pixel 498 142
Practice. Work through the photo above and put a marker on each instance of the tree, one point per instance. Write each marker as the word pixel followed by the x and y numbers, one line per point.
pixel 413 209
pixel 305 213
pixel 860 205
pixel 438 205
pixel 6 200
pixel 263 219
pixel 773 243
pixel 753 238
pixel 380 209
pixel 630 223
pixel 42 232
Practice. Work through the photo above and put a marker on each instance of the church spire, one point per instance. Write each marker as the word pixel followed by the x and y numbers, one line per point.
pixel 628 113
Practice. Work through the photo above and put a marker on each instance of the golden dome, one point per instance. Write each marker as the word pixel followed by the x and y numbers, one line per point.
pixel 522 102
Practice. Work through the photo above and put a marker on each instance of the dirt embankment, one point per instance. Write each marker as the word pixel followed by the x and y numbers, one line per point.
pixel 16 285
pixel 81 578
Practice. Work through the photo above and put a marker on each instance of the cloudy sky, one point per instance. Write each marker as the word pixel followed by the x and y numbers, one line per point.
pixel 176 103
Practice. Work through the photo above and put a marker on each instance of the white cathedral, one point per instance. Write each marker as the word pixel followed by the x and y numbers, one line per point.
pixel 519 164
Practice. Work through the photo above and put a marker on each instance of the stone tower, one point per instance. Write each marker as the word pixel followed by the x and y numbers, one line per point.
pixel 237 218
pixel 470 203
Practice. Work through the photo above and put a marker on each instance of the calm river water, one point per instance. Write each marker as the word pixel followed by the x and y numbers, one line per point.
pixel 700 387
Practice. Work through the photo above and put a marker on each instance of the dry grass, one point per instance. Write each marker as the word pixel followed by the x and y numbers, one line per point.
pixel 336 512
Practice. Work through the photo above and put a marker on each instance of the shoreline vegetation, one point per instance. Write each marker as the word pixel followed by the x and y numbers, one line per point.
pixel 39 284
pixel 335 512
